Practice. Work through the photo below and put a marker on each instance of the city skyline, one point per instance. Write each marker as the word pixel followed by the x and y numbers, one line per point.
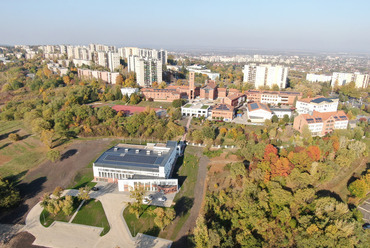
pixel 287 25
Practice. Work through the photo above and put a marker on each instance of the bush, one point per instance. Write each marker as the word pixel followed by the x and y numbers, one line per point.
pixel 53 155
pixel 14 137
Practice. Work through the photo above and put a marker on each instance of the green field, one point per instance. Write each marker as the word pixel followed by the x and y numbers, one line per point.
pixel 145 224
pixel 17 157
pixel 92 214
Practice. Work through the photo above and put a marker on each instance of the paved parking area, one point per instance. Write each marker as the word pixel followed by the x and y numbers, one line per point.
pixel 66 235
pixel 365 210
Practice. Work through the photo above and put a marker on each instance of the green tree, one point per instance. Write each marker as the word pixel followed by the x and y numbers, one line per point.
pixel 164 217
pixel 67 203
pixel 274 119
pixel 83 193
pixel 201 237
pixel 359 188
pixel 53 155
pixel 14 137
pixel 9 195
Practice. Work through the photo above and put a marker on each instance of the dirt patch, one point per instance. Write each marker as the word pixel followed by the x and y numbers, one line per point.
pixel 22 240
pixel 4 159
pixel 49 175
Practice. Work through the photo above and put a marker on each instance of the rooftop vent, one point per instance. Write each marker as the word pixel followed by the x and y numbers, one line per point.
pixel 137 151
pixel 126 149
pixel 159 153
pixel 147 152
pixel 116 149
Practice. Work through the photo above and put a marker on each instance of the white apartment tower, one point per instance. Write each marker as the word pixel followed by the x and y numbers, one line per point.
pixel 113 60
pixel 265 75
pixel 341 78
pixel 147 70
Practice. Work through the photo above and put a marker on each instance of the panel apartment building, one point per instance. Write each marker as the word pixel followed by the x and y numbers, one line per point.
pixel 147 70
pixel 266 75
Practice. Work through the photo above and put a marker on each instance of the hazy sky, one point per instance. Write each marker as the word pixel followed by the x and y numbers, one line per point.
pixel 311 25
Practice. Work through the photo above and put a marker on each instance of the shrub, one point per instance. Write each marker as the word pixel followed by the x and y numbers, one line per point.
pixel 53 155
pixel 14 137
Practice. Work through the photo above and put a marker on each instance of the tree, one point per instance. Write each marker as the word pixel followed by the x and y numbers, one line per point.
pixel 286 118
pixel 67 205
pixel 201 237
pixel 9 195
pixel 137 194
pixel 58 192
pixel 47 138
pixel 274 119
pixel 164 217
pixel 360 187
pixel 14 137
pixel 53 155
pixel 83 193
pixel 178 103
pixel 275 87
pixel 125 98
pixel 134 98
pixel 119 80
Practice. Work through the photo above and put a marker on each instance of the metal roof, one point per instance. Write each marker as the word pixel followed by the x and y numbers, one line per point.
pixel 136 158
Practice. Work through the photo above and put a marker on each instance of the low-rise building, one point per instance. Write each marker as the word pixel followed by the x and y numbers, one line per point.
pixel 164 95
pixel 235 100
pixel 318 78
pixel 129 91
pixel 280 112
pixel 258 112
pixel 131 166
pixel 318 103
pixel 106 76
pixel 273 97
pixel 321 123
pixel 196 110
pixel 209 91
pixel 222 112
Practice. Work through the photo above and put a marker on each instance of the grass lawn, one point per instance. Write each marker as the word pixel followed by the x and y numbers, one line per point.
pixel 187 172
pixel 47 219
pixel 145 224
pixel 92 214
pixel 213 153
pixel 17 157
pixel 164 105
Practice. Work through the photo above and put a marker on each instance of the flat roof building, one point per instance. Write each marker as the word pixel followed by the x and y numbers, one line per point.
pixel 149 166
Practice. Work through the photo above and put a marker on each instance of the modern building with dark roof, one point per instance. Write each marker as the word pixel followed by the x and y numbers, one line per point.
pixel 318 103
pixel 148 166
pixel 223 111
pixel 273 97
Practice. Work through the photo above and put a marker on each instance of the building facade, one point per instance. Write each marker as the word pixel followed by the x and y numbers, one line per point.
pixel 266 75
pixel 341 78
pixel 273 97
pixel 258 112
pixel 222 112
pixel 147 70
pixel 319 104
pixel 196 110
pixel 321 124
pixel 318 77
pixel 134 166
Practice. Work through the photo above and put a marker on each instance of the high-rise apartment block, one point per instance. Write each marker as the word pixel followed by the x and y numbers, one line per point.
pixel 265 75
pixel 341 78
pixel 126 52
pixel 147 70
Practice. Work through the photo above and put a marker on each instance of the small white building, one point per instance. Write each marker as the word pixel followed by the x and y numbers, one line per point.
pixel 280 112
pixel 129 91
pixel 196 110
pixel 320 104
pixel 258 112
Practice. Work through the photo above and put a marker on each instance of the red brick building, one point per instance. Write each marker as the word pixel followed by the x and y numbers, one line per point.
pixel 223 111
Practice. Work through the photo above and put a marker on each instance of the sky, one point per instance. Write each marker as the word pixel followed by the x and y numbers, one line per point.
pixel 285 25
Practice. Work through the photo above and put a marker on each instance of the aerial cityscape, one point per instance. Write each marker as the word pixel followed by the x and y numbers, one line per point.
pixel 185 124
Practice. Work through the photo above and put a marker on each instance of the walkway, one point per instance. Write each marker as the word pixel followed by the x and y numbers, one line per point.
pixel 365 210
pixel 186 129
pixel 61 234
pixel 181 239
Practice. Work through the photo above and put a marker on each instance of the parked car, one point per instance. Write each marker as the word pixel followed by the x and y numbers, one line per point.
pixel 149 197
pixel 162 199
pixel 145 201
pixel 94 188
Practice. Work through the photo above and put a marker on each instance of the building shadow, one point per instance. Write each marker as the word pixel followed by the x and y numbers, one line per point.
pixel 68 154
pixel 146 242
